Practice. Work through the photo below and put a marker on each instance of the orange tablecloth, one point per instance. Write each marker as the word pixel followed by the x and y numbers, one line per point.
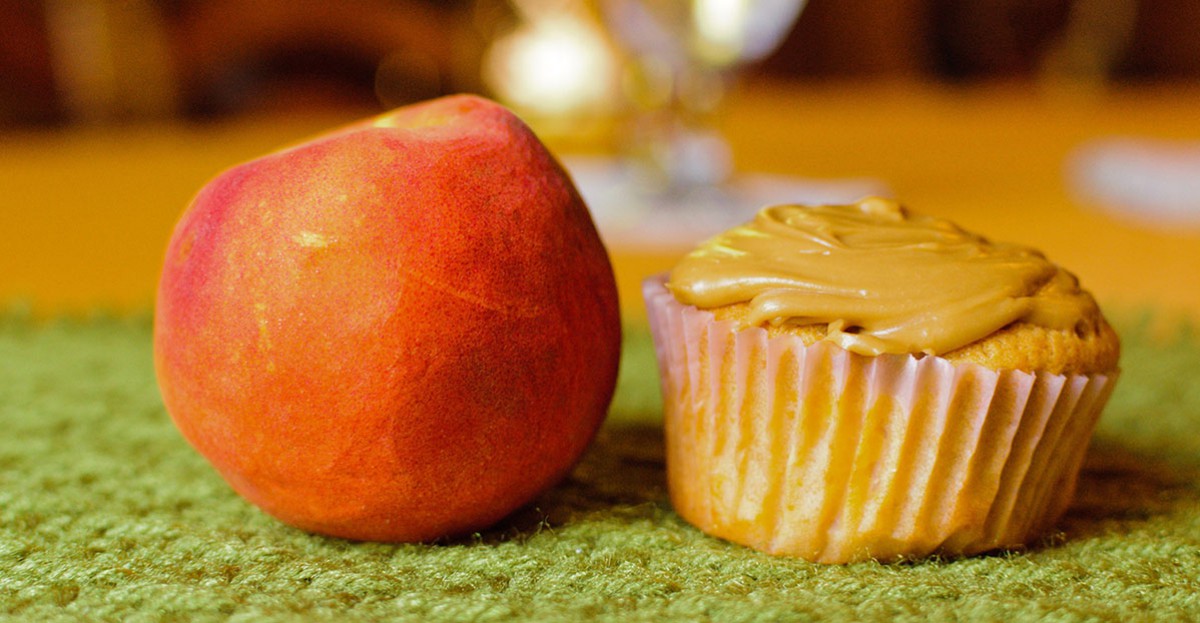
pixel 85 213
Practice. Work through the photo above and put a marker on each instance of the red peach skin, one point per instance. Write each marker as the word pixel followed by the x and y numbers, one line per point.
pixel 401 330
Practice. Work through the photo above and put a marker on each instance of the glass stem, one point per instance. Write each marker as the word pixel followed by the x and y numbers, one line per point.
pixel 675 140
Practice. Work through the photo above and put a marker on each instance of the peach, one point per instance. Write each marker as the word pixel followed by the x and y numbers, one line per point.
pixel 401 330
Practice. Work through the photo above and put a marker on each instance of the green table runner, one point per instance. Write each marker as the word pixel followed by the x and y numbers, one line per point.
pixel 107 514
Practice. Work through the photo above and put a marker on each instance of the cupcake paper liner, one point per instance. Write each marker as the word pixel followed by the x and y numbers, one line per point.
pixel 817 452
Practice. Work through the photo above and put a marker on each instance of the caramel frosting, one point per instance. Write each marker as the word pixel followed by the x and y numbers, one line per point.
pixel 882 279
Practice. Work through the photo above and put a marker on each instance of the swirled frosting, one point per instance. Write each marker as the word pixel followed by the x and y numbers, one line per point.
pixel 882 279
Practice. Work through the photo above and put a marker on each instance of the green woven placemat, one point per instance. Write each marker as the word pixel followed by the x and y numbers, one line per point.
pixel 107 514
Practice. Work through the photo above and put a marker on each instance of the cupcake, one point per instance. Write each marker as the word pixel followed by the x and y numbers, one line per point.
pixel 852 382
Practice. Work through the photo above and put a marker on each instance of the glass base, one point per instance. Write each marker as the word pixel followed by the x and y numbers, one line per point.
pixel 630 211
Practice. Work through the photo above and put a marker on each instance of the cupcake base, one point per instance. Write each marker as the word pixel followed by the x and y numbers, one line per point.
pixel 817 452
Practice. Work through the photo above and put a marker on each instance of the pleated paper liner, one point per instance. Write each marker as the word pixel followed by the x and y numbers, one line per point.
pixel 817 452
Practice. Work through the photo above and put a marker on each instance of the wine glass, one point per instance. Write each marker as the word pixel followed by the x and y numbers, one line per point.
pixel 683 54
pixel 673 183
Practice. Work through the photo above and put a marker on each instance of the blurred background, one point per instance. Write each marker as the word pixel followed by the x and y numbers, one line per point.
pixel 71 61
pixel 1045 121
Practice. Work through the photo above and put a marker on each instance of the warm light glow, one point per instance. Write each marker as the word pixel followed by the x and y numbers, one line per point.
pixel 720 25
pixel 728 31
pixel 554 64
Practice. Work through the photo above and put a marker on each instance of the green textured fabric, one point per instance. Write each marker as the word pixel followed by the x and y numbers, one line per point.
pixel 107 514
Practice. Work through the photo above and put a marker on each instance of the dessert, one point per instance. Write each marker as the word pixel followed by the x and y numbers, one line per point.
pixel 852 382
